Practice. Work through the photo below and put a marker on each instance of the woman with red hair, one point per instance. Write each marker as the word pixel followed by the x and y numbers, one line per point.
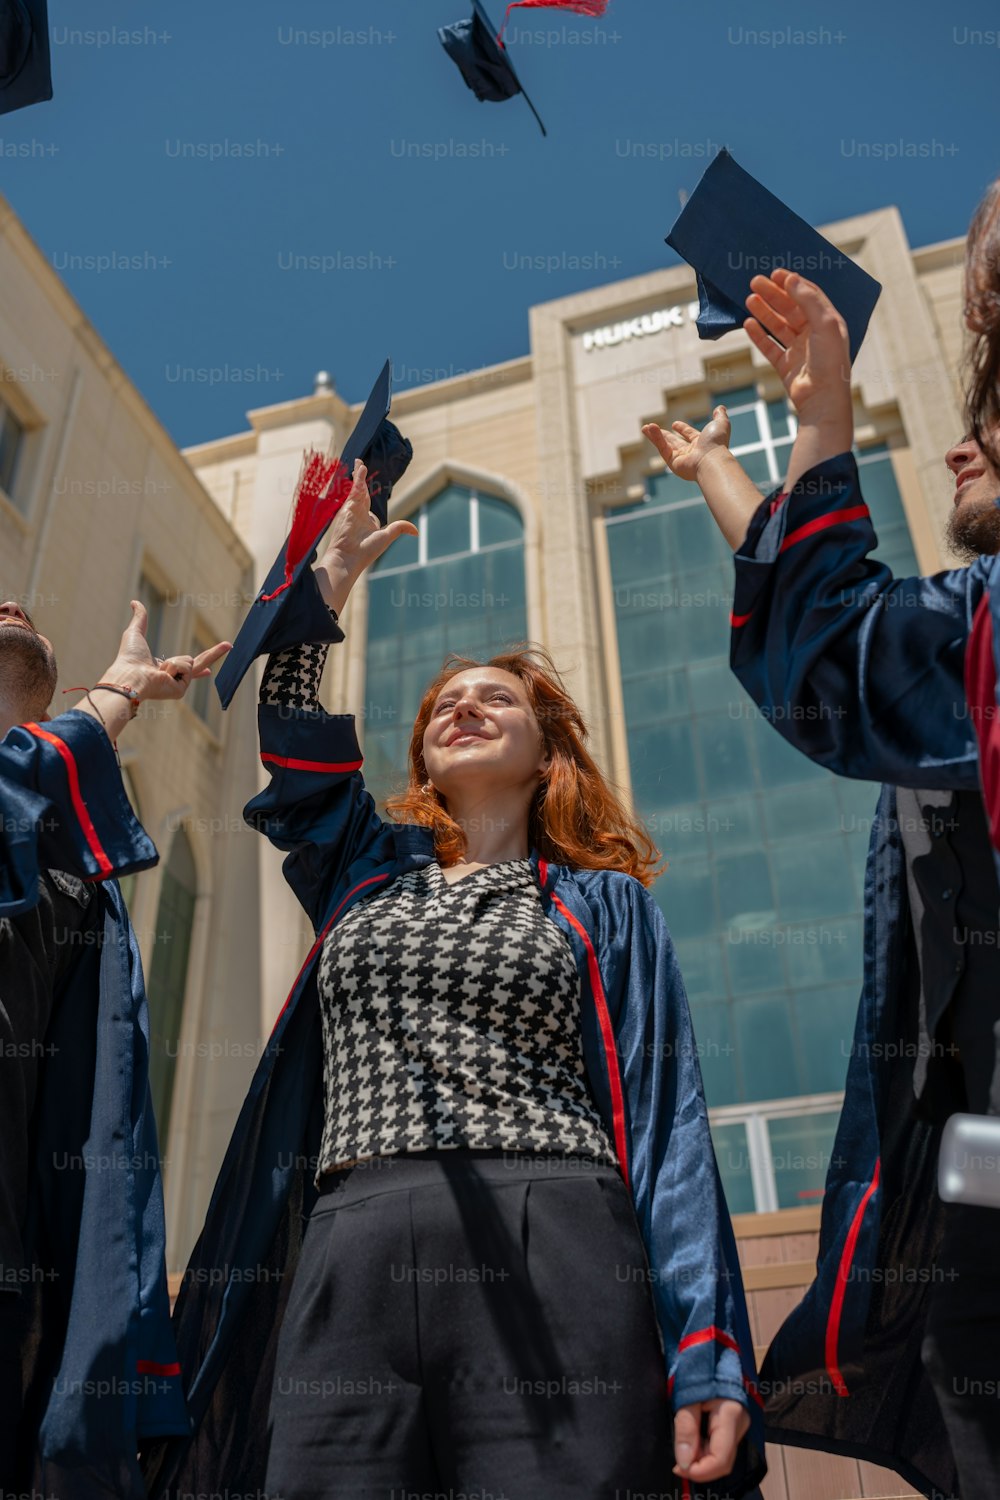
pixel 516 1274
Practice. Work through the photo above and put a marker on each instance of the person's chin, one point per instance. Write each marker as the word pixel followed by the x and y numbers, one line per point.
pixel 973 528
pixel 464 766
pixel 460 768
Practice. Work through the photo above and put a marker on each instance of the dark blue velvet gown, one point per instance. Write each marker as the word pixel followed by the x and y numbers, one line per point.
pixel 863 673
pixel 100 1354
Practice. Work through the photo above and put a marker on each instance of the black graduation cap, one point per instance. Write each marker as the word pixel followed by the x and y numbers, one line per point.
pixel 25 69
pixel 731 229
pixel 290 607
pixel 482 61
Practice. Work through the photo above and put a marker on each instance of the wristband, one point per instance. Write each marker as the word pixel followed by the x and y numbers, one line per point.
pixel 126 692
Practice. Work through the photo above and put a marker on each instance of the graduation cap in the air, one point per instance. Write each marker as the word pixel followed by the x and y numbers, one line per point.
pixel 25 69
pixel 731 229
pixel 290 607
pixel 482 61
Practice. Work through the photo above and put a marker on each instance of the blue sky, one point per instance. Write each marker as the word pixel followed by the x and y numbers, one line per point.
pixel 236 206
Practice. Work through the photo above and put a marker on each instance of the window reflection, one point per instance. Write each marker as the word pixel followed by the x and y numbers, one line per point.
pixel 168 976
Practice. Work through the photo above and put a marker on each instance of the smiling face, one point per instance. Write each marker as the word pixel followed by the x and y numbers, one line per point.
pixel 482 734
pixel 27 665
pixel 974 524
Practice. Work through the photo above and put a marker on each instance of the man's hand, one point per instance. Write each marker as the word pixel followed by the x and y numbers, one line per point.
pixel 157 677
pixel 815 364
pixel 704 457
pixel 685 449
pixel 152 677
pixel 701 1459
pixel 356 540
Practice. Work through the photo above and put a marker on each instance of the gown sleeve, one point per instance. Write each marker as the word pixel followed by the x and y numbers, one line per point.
pixel 680 1204
pixel 63 807
pixel 679 1198
pixel 316 806
pixel 861 671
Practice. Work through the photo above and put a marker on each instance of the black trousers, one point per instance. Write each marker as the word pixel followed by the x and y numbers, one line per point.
pixel 961 1349
pixel 476 1322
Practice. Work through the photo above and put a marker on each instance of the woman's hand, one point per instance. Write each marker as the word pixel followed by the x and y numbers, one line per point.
pixel 356 540
pixel 815 364
pixel 685 449
pixel 701 1459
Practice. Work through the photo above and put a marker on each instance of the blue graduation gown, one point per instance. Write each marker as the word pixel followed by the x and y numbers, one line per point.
pixel 863 672
pixel 640 1060
pixel 101 1354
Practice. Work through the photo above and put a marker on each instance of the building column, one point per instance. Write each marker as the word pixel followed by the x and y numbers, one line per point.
pixel 571 616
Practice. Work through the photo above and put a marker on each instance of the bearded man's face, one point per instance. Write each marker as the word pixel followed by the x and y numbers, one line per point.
pixel 974 524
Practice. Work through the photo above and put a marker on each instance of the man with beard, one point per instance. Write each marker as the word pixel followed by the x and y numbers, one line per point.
pixel 87 1359
pixel 864 673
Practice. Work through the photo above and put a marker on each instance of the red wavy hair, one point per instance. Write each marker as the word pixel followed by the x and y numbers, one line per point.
pixel 575 818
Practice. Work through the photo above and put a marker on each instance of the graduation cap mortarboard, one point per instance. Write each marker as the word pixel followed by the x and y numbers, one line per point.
pixel 289 607
pixel 25 68
pixel 731 228
pixel 482 61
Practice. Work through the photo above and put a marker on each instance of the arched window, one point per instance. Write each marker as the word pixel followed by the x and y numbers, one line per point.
pixel 458 586
pixel 168 975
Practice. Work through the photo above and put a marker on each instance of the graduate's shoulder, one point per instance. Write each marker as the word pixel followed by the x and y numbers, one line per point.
pixel 621 890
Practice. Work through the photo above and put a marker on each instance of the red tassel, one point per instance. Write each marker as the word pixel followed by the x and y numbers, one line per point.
pixel 324 484
pixel 581 7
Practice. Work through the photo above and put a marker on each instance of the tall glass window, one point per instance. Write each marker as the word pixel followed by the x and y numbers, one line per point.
pixel 152 596
pixel 201 696
pixel 168 976
pixel 763 894
pixel 457 586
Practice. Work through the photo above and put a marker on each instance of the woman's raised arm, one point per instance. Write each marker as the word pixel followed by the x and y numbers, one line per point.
pixel 316 806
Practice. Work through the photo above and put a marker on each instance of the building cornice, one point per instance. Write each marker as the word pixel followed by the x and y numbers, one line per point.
pixel 327 404
pixel 939 257
pixel 463 387
pixel 467 386
pixel 219 450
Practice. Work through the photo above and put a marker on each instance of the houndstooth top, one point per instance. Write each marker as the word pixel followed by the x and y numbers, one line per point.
pixel 450 1012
